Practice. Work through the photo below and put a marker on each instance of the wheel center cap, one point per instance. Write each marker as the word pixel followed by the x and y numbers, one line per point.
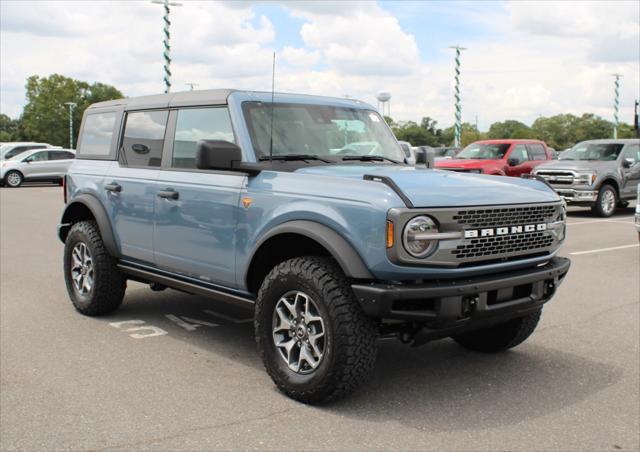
pixel 301 331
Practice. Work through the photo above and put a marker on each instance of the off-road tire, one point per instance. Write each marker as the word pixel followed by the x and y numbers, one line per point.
pixel 109 284
pixel 351 347
pixel 13 185
pixel 598 208
pixel 500 337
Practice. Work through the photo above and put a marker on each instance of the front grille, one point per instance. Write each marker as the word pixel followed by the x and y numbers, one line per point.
pixel 557 177
pixel 508 216
pixel 501 245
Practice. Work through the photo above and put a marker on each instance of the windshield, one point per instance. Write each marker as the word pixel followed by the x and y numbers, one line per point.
pixel 484 151
pixel 593 151
pixel 319 130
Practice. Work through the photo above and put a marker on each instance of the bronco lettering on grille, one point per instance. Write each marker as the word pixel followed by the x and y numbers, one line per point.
pixel 490 232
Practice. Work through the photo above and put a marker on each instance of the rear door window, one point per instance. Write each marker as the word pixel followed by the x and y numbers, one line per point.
pixel 143 138
pixel 96 136
pixel 536 151
pixel 195 124
pixel 60 155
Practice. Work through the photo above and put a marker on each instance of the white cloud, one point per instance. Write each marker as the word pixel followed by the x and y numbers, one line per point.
pixel 299 57
pixel 366 40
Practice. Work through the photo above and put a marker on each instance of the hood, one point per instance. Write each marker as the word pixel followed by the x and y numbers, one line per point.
pixel 464 163
pixel 434 188
pixel 577 165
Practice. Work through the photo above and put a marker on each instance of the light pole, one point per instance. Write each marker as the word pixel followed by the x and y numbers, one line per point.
pixel 457 129
pixel 71 106
pixel 166 43
pixel 616 104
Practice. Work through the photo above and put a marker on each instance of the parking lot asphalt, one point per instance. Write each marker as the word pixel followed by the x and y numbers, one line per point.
pixel 184 373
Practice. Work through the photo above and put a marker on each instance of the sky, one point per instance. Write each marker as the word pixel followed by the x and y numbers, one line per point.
pixel 523 59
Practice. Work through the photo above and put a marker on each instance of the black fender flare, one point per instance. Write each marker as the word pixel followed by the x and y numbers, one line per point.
pixel 99 213
pixel 347 257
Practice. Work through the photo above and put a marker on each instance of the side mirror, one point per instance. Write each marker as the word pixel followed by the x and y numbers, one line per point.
pixel 28 160
pixel 513 162
pixel 217 154
pixel 628 163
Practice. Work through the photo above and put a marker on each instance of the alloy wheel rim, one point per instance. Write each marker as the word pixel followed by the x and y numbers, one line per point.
pixel 299 332
pixel 13 179
pixel 608 201
pixel 82 268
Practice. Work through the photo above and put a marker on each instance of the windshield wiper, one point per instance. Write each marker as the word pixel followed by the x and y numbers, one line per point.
pixel 369 158
pixel 293 157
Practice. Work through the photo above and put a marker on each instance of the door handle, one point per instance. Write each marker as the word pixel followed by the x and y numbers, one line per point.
pixel 114 187
pixel 168 194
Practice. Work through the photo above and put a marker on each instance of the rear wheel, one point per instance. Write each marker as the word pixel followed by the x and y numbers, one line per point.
pixel 315 342
pixel 13 179
pixel 606 203
pixel 94 283
pixel 500 337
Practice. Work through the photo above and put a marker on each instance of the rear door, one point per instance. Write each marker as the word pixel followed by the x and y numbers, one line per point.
pixel 630 162
pixel 197 210
pixel 518 161
pixel 537 154
pixel 130 182
pixel 60 161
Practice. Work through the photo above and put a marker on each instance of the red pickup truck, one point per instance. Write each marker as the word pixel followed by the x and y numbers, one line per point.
pixel 499 157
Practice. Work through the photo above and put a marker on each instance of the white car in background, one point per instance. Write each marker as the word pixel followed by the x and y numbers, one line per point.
pixel 9 150
pixel 36 165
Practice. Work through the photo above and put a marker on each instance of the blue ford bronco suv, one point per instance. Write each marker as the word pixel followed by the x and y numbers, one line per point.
pixel 303 207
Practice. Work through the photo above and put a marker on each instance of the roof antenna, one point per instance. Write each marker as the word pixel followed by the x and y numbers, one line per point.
pixel 273 84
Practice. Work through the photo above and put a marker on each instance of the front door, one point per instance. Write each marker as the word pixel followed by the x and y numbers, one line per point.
pixel 518 161
pixel 197 210
pixel 630 170
pixel 129 185
pixel 37 166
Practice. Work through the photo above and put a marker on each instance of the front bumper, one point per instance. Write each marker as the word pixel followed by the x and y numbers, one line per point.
pixel 573 195
pixel 467 303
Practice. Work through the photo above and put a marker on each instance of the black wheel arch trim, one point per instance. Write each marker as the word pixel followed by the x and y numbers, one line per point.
pixel 340 249
pixel 102 219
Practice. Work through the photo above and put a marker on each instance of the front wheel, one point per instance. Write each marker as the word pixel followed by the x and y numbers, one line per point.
pixel 314 339
pixel 500 337
pixel 13 179
pixel 606 202
pixel 94 283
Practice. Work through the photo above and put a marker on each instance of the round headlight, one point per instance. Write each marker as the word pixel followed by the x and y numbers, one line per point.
pixel 412 240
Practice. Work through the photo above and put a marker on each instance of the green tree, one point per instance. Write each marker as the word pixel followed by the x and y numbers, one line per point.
pixel 46 117
pixel 468 134
pixel 509 129
pixel 626 131
pixel 424 134
pixel 8 128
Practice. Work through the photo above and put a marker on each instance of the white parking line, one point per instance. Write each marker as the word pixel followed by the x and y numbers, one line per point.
pixel 605 249
pixel 601 221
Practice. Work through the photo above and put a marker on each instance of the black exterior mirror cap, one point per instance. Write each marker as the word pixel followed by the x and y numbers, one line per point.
pixel 513 162
pixel 217 154
pixel 222 155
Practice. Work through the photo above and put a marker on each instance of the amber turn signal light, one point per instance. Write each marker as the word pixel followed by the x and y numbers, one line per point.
pixel 389 234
